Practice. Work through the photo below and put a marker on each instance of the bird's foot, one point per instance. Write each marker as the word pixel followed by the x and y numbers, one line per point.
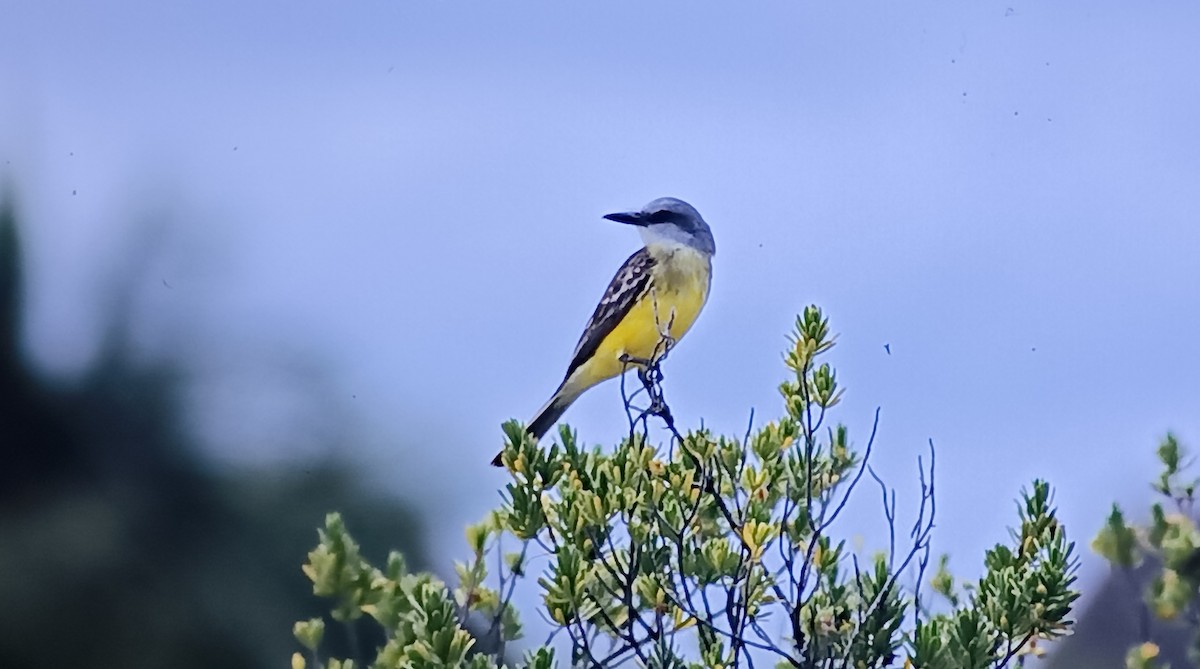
pixel 627 359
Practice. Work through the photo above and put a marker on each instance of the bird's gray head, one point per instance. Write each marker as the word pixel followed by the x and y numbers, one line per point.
pixel 671 221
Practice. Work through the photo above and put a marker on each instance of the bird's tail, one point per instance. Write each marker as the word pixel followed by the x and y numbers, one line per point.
pixel 543 421
pixel 549 415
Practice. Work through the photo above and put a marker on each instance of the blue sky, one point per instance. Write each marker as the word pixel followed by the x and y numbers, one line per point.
pixel 406 197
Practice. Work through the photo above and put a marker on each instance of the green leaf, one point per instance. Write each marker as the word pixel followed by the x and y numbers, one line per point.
pixel 1116 541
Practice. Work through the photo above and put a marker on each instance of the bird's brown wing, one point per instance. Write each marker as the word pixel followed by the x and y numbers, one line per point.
pixel 620 296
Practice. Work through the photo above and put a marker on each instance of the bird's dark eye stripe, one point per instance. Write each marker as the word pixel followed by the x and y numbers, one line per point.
pixel 663 216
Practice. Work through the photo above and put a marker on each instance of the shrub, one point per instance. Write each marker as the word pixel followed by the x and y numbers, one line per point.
pixel 709 551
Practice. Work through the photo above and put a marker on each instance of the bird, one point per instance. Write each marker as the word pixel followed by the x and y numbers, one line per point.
pixel 658 292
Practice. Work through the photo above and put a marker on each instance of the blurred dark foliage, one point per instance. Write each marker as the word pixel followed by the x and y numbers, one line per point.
pixel 120 547
pixel 1116 620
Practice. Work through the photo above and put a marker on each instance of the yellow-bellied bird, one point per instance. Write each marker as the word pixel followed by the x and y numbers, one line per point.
pixel 657 293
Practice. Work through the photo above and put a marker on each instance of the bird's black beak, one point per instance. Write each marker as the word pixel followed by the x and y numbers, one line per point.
pixel 632 218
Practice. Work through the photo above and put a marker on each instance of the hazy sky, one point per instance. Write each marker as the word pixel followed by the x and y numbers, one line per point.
pixel 407 196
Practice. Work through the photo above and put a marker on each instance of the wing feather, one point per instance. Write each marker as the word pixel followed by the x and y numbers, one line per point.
pixel 622 293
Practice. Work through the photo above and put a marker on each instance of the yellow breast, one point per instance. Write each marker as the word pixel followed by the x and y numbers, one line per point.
pixel 677 292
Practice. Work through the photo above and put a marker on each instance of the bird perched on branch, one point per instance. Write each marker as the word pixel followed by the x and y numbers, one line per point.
pixel 654 298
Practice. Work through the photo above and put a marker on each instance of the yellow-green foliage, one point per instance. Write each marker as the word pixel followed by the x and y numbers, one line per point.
pixel 708 551
pixel 1171 541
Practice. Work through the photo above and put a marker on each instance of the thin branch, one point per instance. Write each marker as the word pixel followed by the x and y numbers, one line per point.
pixel 889 514
pixel 854 482
pixel 1013 650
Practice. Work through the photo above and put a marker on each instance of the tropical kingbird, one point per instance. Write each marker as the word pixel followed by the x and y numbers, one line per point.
pixel 656 295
